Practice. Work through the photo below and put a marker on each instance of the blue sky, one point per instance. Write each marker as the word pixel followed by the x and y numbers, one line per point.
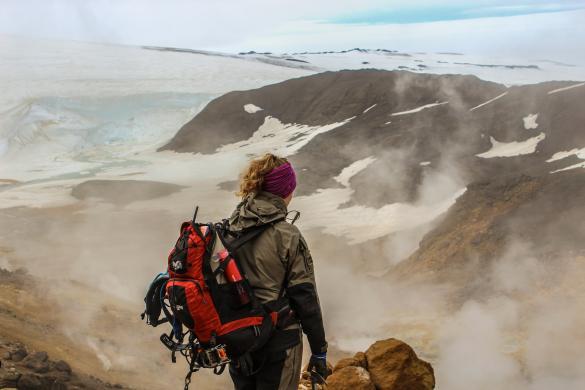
pixel 429 11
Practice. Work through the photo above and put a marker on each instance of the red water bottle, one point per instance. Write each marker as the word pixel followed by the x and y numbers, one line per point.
pixel 233 275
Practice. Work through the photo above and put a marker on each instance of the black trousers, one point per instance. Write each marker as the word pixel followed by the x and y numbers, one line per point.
pixel 275 370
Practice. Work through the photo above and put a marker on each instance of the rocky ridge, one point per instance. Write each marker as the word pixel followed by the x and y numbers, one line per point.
pixel 544 212
pixel 410 124
pixel 25 369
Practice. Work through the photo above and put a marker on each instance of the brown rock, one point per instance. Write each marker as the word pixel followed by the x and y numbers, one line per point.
pixel 361 360
pixel 38 367
pixel 393 365
pixel 347 362
pixel 358 360
pixel 58 385
pixel 350 378
pixel 63 366
pixel 18 354
pixel 8 379
pixel 38 362
pixel 30 382
pixel 39 356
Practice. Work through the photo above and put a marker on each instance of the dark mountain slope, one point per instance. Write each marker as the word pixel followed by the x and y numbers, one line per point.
pixel 544 214
pixel 391 123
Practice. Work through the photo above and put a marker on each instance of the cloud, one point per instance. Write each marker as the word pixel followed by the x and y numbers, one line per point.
pixel 304 25
pixel 537 36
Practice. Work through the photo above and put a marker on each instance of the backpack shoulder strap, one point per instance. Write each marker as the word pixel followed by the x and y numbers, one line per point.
pixel 245 236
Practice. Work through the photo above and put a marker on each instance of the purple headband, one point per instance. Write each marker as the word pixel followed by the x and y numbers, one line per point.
pixel 280 181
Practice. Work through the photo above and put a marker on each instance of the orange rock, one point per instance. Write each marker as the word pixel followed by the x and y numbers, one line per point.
pixel 358 360
pixel 350 378
pixel 393 365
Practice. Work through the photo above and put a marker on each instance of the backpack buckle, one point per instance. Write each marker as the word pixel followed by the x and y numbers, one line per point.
pixel 214 357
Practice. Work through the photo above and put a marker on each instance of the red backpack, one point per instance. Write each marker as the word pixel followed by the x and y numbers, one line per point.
pixel 205 291
pixel 208 293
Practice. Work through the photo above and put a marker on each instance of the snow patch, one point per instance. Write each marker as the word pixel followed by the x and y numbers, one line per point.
pixel 489 101
pixel 251 108
pixel 369 108
pixel 578 165
pixel 348 172
pixel 361 223
pixel 387 123
pixel 510 149
pixel 565 88
pixel 418 109
pixel 580 153
pixel 424 163
pixel 281 138
pixel 530 121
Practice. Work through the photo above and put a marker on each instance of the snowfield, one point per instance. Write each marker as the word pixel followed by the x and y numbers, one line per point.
pixel 509 71
pixel 72 111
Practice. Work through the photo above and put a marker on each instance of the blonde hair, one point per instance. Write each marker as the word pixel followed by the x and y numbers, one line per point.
pixel 253 176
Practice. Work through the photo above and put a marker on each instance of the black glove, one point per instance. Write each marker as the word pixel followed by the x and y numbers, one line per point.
pixel 318 367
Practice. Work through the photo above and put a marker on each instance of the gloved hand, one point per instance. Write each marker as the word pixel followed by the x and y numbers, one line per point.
pixel 318 365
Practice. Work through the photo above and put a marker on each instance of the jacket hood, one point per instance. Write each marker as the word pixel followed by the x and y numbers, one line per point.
pixel 257 209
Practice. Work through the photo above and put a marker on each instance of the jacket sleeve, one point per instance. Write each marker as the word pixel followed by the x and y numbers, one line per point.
pixel 302 293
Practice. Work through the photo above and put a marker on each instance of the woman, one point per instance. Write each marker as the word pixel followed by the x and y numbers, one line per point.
pixel 279 267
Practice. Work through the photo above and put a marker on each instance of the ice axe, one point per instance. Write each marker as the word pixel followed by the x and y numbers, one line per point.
pixel 316 379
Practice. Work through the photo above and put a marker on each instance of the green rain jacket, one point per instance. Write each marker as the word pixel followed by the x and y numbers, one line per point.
pixel 279 260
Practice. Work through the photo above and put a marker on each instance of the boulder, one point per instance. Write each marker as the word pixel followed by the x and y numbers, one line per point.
pixel 30 382
pixel 18 354
pixel 63 366
pixel 387 365
pixel 8 379
pixel 39 356
pixel 38 362
pixel 393 365
pixel 358 360
pixel 58 385
pixel 347 362
pixel 350 378
pixel 360 357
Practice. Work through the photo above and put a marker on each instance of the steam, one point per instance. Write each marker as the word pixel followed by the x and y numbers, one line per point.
pixel 527 333
pixel 471 348
pixel 106 363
